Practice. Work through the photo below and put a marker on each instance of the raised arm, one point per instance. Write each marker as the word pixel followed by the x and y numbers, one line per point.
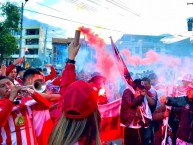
pixel 174 101
pixel 69 74
pixel 11 67
pixel 52 73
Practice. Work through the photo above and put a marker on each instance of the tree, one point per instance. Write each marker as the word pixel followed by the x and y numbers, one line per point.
pixel 11 15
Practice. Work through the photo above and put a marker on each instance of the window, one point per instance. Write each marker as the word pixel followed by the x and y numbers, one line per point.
pixel 14 33
pixel 31 51
pixel 32 31
pixel 31 41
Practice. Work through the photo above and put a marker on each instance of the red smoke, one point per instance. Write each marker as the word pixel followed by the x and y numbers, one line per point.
pixel 105 61
pixel 150 57
pixel 106 64
pixel 93 39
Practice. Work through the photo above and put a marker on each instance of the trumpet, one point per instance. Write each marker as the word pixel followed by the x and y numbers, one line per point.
pixel 39 86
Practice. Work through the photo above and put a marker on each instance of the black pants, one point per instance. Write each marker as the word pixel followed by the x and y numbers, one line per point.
pixel 148 135
pixel 133 136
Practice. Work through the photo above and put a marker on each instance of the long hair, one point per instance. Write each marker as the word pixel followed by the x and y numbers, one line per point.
pixel 69 131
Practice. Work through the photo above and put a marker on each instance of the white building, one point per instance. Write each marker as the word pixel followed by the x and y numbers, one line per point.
pixel 32 42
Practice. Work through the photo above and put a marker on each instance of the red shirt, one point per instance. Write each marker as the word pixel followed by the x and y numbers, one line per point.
pixel 24 134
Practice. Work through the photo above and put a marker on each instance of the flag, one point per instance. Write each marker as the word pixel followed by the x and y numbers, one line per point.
pixel 165 128
pixel 122 66
pixel 110 128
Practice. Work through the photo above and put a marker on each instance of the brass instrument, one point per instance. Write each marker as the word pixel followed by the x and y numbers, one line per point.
pixel 39 86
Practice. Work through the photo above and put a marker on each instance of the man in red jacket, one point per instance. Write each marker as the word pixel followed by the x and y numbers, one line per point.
pixel 17 114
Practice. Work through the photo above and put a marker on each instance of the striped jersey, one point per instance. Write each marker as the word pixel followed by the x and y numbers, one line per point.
pixel 17 125
pixel 12 132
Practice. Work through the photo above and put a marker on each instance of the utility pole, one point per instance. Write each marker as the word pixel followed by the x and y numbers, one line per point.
pixel 45 40
pixel 45 45
pixel 21 28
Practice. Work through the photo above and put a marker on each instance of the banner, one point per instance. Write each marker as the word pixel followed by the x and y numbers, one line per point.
pixel 110 128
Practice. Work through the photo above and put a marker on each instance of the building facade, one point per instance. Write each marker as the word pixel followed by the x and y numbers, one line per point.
pixel 32 43
pixel 60 53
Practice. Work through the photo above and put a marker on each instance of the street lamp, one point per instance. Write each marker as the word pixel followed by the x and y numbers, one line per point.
pixel 21 28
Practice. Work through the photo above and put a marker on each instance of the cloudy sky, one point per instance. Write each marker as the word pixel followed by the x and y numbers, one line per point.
pixel 112 17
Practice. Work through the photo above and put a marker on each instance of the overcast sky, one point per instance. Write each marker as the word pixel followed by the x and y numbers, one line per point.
pixel 112 17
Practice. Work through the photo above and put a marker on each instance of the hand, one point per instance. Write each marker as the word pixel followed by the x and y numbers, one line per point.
pixel 3 69
pixel 163 99
pixel 19 60
pixel 144 92
pixel 47 65
pixel 137 93
pixel 26 92
pixel 14 92
pixel 31 91
pixel 73 50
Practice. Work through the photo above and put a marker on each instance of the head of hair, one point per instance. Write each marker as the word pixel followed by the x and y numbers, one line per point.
pixel 69 131
pixel 137 83
pixel 30 72
pixel 44 69
pixel 39 69
pixel 4 77
pixel 20 69
pixel 146 79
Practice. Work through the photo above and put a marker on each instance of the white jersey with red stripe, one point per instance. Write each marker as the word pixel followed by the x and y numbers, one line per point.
pixel 14 134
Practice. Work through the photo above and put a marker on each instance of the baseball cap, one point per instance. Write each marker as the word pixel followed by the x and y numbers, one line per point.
pixel 96 77
pixel 79 100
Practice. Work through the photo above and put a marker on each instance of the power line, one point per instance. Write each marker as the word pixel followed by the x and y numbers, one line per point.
pixel 89 8
pixel 74 21
pixel 122 7
pixel 48 7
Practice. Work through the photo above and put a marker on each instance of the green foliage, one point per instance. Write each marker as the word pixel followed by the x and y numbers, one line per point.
pixel 11 13
pixel 8 43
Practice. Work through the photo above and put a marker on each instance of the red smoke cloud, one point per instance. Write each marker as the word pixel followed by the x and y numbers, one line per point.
pixel 105 61
pixel 150 57
pixel 93 39
pixel 106 64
